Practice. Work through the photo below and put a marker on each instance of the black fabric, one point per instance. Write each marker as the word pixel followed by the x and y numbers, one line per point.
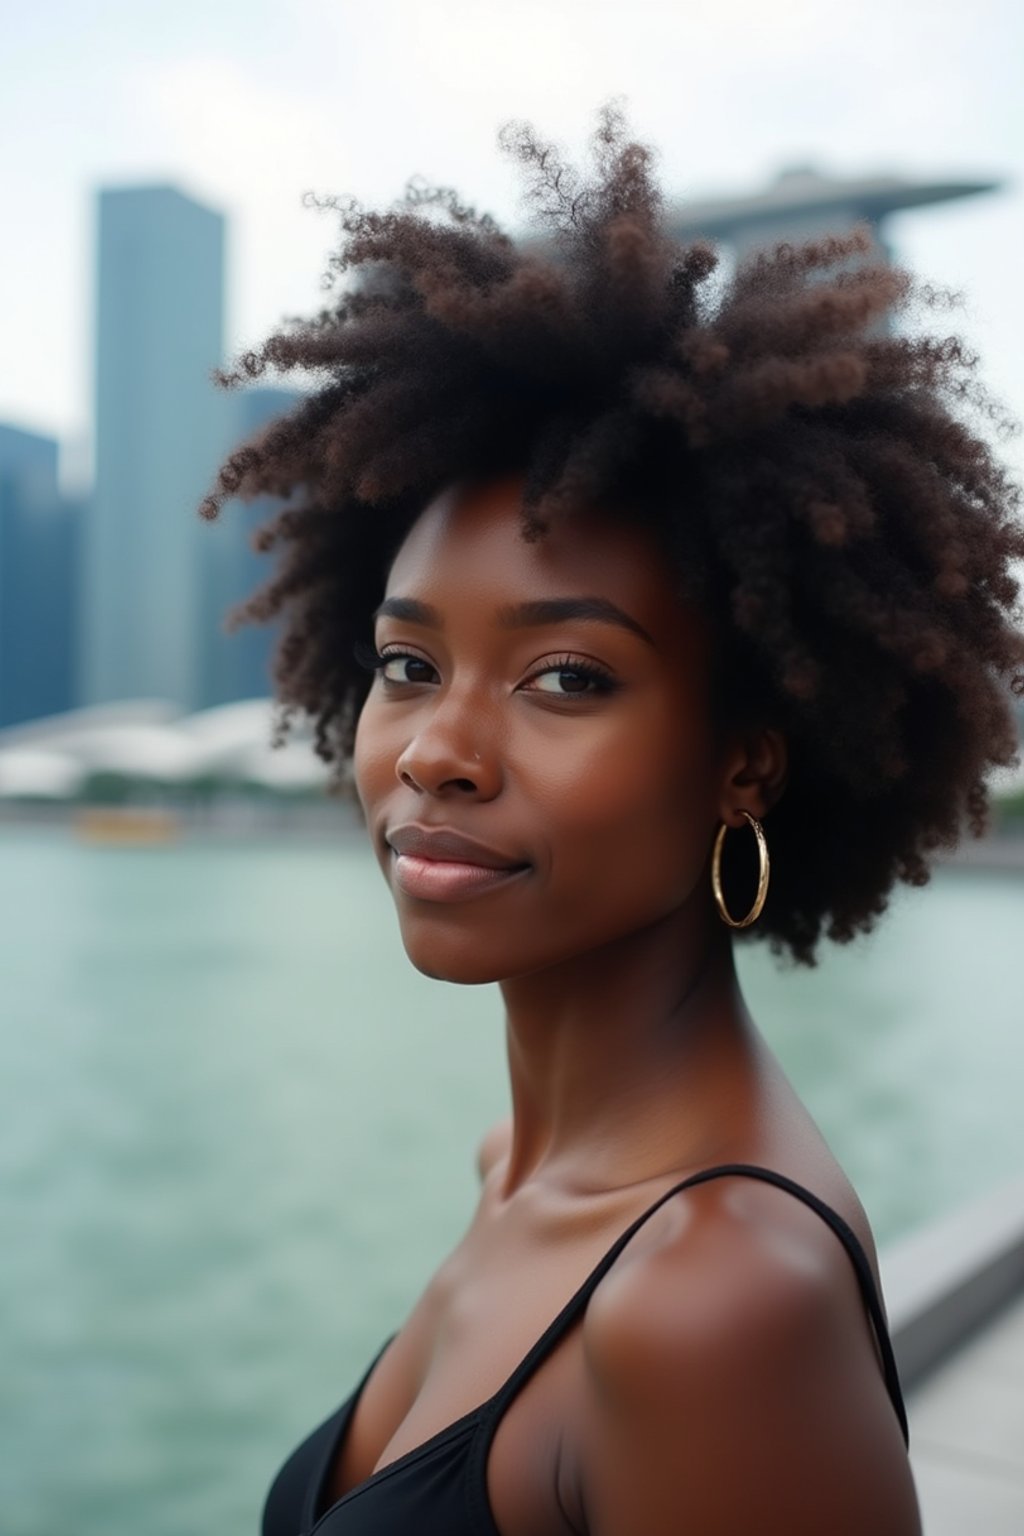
pixel 440 1487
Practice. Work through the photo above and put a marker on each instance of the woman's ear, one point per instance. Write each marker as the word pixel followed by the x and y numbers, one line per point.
pixel 754 775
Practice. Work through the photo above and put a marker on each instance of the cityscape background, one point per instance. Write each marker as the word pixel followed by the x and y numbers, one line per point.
pixel 120 593
pixel 113 598
pixel 126 288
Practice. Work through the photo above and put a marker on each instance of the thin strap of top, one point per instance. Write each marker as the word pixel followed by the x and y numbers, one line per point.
pixel 577 1303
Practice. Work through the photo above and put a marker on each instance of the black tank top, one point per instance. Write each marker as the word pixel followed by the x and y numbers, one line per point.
pixel 440 1487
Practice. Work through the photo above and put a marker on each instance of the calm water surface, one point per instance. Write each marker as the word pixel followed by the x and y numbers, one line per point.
pixel 237 1135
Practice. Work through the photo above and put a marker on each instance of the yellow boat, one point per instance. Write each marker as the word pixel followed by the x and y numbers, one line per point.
pixel 126 824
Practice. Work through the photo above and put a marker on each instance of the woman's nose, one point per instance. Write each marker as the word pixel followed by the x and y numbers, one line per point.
pixel 453 754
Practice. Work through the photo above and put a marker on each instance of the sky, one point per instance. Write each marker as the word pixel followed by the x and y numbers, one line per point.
pixel 247 104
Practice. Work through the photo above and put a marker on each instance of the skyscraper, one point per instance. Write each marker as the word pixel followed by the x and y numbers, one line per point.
pixel 237 666
pixel 160 431
pixel 38 580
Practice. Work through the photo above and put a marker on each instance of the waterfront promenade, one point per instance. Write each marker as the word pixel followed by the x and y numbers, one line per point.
pixel 967 1434
pixel 955 1293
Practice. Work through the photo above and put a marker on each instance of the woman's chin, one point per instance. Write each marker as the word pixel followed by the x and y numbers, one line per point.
pixel 461 970
pixel 464 958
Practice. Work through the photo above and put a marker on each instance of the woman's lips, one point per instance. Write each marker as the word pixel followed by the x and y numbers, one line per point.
pixel 448 880
pixel 443 864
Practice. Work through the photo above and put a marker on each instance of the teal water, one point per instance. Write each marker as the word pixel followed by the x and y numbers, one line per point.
pixel 236 1136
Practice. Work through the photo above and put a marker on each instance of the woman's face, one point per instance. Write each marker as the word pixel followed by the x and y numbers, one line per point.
pixel 535 759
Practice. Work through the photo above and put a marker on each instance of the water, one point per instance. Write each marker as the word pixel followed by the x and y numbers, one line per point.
pixel 237 1135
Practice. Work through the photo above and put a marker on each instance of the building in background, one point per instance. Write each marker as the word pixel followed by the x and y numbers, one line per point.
pixel 39 539
pixel 802 204
pixel 161 427
pixel 237 666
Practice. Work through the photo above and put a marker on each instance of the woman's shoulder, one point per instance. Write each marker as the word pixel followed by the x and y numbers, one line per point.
pixel 730 1362
pixel 720 1263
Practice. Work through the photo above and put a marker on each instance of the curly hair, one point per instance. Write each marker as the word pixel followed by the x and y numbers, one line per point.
pixel 821 482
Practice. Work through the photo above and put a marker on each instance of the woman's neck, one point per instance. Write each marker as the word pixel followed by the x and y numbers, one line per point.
pixel 630 1061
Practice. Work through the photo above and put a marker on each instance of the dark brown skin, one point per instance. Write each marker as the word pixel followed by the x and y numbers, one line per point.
pixel 724 1379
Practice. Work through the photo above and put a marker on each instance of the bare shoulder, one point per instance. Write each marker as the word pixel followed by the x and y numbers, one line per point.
pixel 732 1265
pixel 731 1373
pixel 494 1146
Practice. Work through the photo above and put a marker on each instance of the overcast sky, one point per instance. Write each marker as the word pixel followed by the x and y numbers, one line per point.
pixel 247 103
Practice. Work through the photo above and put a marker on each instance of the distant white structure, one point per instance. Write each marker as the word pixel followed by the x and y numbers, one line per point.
pixel 150 739
pixel 36 771
pixel 803 203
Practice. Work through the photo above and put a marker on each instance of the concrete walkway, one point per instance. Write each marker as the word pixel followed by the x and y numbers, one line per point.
pixel 967 1434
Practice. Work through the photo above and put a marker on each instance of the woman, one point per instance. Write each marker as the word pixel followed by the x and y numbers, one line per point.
pixel 689 618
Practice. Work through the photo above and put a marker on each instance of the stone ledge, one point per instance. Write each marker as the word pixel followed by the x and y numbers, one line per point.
pixel 945 1281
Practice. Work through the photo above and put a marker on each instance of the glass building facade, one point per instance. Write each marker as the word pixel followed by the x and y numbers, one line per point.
pixel 161 427
pixel 39 533
pixel 238 665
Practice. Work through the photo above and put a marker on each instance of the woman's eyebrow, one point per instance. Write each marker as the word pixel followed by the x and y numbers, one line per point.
pixel 530 615
pixel 554 610
pixel 409 609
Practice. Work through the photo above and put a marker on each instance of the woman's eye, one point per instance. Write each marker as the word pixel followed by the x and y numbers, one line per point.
pixel 403 668
pixel 565 681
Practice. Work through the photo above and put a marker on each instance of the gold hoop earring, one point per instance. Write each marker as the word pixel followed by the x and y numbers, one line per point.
pixel 762 874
